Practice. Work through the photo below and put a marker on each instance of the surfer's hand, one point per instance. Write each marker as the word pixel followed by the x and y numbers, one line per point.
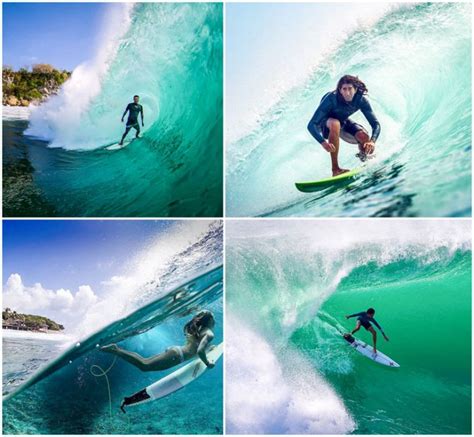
pixel 347 317
pixel 386 338
pixel 329 147
pixel 369 147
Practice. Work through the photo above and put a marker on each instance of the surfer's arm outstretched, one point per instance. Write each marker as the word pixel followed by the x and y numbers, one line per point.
pixel 354 315
pixel 125 113
pixel 141 112
pixel 206 339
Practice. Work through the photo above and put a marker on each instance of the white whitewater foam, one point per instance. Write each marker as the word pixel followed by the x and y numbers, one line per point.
pixel 59 118
pixel 268 393
pixel 16 112
pixel 49 336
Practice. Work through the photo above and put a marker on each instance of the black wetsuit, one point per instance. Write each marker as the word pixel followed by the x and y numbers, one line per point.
pixel 333 105
pixel 366 321
pixel 134 109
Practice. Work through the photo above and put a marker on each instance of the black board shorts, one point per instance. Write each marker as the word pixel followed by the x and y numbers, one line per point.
pixel 365 324
pixel 347 127
pixel 134 125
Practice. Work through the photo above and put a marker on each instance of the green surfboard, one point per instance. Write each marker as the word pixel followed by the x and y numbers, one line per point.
pixel 310 187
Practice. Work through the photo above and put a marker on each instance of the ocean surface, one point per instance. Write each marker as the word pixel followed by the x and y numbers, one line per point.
pixel 288 370
pixel 416 62
pixel 52 387
pixel 55 162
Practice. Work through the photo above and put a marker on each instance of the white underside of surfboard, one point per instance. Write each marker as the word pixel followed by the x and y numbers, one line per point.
pixel 181 377
pixel 368 351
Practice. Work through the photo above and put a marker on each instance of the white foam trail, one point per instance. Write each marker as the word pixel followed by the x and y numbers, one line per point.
pixel 16 112
pixel 59 118
pixel 50 336
pixel 268 394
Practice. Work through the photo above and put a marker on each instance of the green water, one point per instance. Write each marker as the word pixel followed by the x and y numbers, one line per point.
pixel 428 322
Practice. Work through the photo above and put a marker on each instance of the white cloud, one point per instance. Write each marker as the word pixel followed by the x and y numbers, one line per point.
pixel 61 305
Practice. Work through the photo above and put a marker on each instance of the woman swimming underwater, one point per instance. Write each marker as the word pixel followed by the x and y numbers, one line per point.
pixel 198 333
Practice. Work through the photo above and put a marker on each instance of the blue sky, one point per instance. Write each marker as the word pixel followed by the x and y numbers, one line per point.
pixel 61 34
pixel 71 253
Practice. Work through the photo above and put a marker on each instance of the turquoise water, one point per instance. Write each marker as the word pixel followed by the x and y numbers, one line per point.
pixel 286 299
pixel 55 164
pixel 416 62
pixel 65 398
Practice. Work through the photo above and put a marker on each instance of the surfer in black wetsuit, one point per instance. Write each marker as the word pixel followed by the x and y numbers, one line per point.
pixel 366 318
pixel 331 120
pixel 133 109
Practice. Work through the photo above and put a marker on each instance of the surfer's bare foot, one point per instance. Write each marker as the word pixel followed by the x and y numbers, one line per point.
pixel 338 171
pixel 375 351
pixel 111 348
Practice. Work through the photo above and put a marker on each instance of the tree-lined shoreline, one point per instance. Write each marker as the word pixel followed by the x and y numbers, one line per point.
pixel 24 87
pixel 28 322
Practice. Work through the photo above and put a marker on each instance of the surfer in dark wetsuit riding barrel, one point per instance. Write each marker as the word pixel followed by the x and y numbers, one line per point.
pixel 366 318
pixel 331 120
pixel 133 109
pixel 198 334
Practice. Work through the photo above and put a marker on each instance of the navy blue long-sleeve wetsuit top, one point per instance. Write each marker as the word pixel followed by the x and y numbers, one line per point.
pixel 333 105
pixel 134 109
pixel 366 320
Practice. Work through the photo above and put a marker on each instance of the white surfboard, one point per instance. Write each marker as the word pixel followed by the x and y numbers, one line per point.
pixel 176 380
pixel 117 146
pixel 368 351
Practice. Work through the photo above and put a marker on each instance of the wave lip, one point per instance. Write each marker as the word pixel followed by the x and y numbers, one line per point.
pixel 61 118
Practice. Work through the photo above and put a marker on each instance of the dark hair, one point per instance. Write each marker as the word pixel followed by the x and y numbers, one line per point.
pixel 352 80
pixel 136 95
pixel 370 311
pixel 203 319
